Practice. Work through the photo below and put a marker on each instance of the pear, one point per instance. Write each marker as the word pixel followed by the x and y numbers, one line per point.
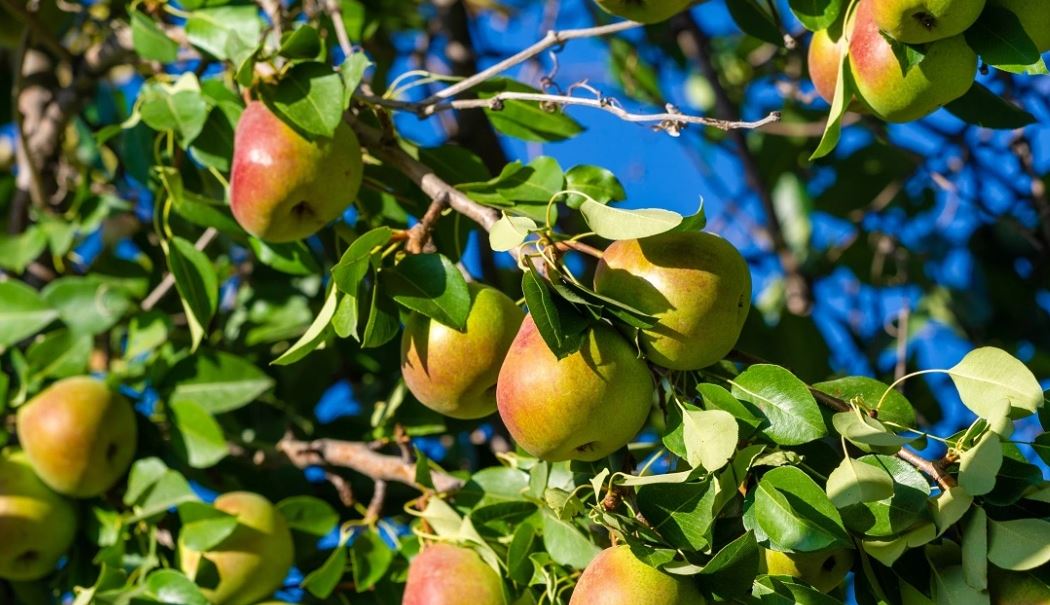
pixel 582 407
pixel 444 574
pixel 1034 16
pixel 252 562
pixel 823 570
pixel 645 11
pixel 454 372
pixel 945 74
pixel 825 56
pixel 617 577
pixel 79 436
pixel 37 525
pixel 284 187
pixel 922 21
pixel 697 285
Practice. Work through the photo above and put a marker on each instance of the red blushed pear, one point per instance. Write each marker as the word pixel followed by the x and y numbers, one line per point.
pixel 922 21
pixel 617 577
pixel 825 55
pixel 250 563
pixel 697 285
pixel 36 524
pixel 79 436
pixel 444 574
pixel 945 74
pixel 284 187
pixel 582 407
pixel 455 372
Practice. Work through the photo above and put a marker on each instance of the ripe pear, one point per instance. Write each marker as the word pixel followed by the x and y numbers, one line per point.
pixel 645 11
pixel 444 574
pixel 697 285
pixel 1034 16
pixel 617 577
pixel 582 407
pixel 823 570
pixel 1018 588
pixel 79 436
pixel 922 21
pixel 252 562
pixel 454 372
pixel 825 56
pixel 945 74
pixel 36 524
pixel 284 187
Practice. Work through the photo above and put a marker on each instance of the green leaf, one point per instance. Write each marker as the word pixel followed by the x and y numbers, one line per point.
pixel 149 41
pixel 1002 42
pixel 352 71
pixel 309 97
pixel 179 109
pixel 1020 544
pixel 979 465
pixel 203 526
pixel 526 120
pixel 197 284
pixel 619 223
pixel 683 513
pixel 993 383
pixel 816 15
pixel 217 381
pixel 566 544
pixel 154 488
pixel 984 108
pixel 294 258
pixel 353 265
pixel 85 305
pixel 146 332
pixel 535 183
pixel 560 325
pixel 431 285
pixel 732 569
pixel 170 586
pixel 509 232
pixel 301 43
pixel 844 92
pixel 793 415
pixel 314 335
pixel 198 436
pixel 23 312
pixel 950 587
pixel 891 516
pixel 853 482
pixel 866 392
pixel 595 182
pixel 19 251
pixel 309 515
pixel 322 581
pixel 975 549
pixel 795 512
pixel 224 32
pixel 755 20
pixel 370 558
pixel 949 507
pixel 710 438
pixel 383 323
pixel 866 432
pixel 59 354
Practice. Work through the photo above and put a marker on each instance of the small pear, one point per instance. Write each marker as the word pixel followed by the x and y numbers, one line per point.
pixel 922 21
pixel 250 563
pixel 454 372
pixel 697 285
pixel 582 407
pixel 79 436
pixel 823 570
pixel 617 577
pixel 37 525
pixel 444 574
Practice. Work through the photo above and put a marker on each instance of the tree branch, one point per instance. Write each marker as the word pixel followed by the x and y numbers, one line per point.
pixel 419 234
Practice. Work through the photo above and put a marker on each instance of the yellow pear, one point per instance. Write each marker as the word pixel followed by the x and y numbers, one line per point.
pixel 823 570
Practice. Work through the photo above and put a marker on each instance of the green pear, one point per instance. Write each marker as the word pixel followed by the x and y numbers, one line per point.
pixel 454 372
pixel 443 574
pixel 582 407
pixel 645 11
pixel 1018 588
pixel 1034 16
pixel 284 187
pixel 823 569
pixel 36 524
pixel 922 21
pixel 249 564
pixel 617 577
pixel 945 74
pixel 697 286
pixel 79 436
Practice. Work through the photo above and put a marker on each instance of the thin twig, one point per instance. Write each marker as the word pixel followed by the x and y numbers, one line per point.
pixel 553 38
pixel 578 246
pixel 336 15
pixel 168 280
pixel 375 505
pixel 419 234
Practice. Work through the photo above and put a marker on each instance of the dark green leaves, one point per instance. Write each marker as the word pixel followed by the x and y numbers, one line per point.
pixel 310 97
pixel 1001 41
pixel 430 284
pixel 793 415
pixel 560 325
pixel 817 14
pixel 309 515
pixel 983 107
pixel 216 381
pixel 526 120
pixel 197 283
pixel 755 20
pixel 795 513
pixel 23 312
pixel 893 515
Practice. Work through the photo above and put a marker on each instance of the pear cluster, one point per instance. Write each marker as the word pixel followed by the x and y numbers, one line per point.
pixel 77 440
pixel 592 402
pixel 936 27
